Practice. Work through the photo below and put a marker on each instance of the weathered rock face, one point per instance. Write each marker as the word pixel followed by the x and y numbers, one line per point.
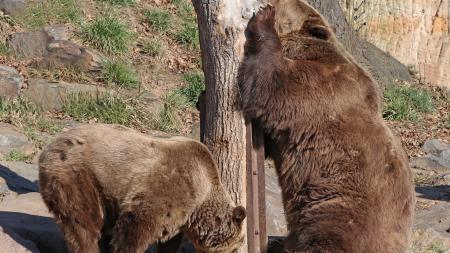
pixel 13 140
pixel 13 7
pixel 10 82
pixel 52 95
pixel 415 32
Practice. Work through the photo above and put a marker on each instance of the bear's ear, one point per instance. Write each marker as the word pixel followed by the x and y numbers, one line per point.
pixel 320 32
pixel 239 214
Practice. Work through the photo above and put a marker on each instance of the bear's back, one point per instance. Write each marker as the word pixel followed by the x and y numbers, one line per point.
pixel 121 157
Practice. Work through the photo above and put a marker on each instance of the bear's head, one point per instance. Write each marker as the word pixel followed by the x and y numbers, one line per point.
pixel 218 232
pixel 304 33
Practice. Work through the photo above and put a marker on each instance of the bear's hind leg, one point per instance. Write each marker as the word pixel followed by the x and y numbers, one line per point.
pixel 79 239
pixel 74 201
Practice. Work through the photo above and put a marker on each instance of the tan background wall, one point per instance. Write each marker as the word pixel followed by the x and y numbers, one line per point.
pixel 416 32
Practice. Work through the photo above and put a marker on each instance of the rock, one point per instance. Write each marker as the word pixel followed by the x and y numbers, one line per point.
pixel 57 32
pixel 444 158
pixel 13 7
pixel 11 139
pixel 434 147
pixel 52 95
pixel 427 163
pixel 10 82
pixel 276 219
pixel 438 157
pixel 13 243
pixel 431 225
pixel 27 216
pixel 415 32
pixel 32 44
pixel 28 45
pixel 18 177
pixel 66 53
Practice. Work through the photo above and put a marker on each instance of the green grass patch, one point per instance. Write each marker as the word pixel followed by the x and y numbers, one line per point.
pixel 40 13
pixel 18 156
pixel 159 19
pixel 188 35
pixel 187 32
pixel 104 108
pixel 67 74
pixel 108 33
pixel 167 119
pixel 26 115
pixel 121 74
pixel 119 2
pixel 195 86
pixel 154 48
pixel 4 49
pixel 406 103
pixel 186 10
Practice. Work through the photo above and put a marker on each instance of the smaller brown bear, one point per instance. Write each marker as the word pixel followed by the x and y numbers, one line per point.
pixel 113 188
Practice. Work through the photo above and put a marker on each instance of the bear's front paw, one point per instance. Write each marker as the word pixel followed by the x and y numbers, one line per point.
pixel 262 23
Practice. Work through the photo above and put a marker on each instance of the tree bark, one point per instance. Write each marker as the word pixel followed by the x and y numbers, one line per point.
pixel 221 27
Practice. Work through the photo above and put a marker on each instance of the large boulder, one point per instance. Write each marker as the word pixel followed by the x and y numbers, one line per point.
pixel 13 7
pixel 10 82
pixel 52 95
pixel 33 44
pixel 11 139
pixel 28 45
pixel 63 53
pixel 437 158
pixel 52 47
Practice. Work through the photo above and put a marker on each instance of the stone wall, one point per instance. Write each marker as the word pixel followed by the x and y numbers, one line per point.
pixel 416 32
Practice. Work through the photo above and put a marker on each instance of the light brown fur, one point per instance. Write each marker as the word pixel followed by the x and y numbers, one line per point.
pixel 345 179
pixel 126 190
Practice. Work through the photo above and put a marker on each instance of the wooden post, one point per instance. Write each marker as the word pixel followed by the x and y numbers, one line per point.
pixel 256 201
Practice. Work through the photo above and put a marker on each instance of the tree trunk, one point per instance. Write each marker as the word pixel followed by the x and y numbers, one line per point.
pixel 221 26
pixel 384 68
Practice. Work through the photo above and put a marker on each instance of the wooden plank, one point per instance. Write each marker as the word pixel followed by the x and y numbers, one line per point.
pixel 256 204
pixel 258 146
pixel 252 206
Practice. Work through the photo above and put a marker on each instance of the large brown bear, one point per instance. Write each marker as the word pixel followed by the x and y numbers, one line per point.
pixel 128 190
pixel 345 179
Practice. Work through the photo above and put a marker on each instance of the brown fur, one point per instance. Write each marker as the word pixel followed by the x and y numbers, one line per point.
pixel 128 190
pixel 345 179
